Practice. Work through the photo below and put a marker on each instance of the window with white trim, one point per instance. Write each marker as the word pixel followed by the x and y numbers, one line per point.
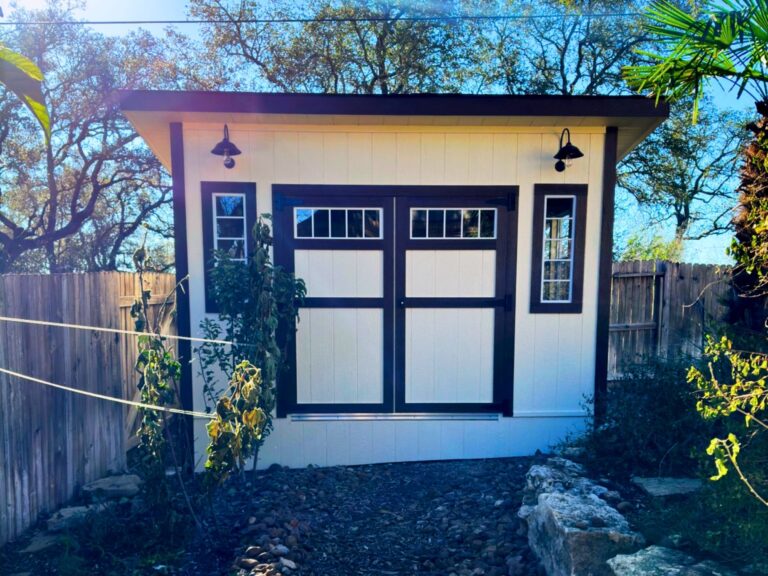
pixel 229 225
pixel 337 223
pixel 558 243
pixel 557 257
pixel 453 223
pixel 228 218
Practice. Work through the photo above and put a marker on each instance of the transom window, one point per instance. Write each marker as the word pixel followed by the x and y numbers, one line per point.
pixel 337 223
pixel 229 225
pixel 557 259
pixel 464 223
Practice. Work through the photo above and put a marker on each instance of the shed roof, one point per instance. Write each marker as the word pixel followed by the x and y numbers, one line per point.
pixel 152 111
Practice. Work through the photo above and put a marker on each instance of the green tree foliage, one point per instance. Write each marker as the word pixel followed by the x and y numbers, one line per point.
pixel 642 247
pixel 723 41
pixel 257 309
pixel 685 173
pixel 92 178
pixel 400 50
pixel 727 42
pixel 84 199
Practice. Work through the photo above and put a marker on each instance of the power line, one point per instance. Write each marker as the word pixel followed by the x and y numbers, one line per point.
pixel 107 398
pixel 341 20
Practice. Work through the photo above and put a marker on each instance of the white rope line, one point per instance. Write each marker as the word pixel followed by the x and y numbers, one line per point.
pixel 108 398
pixel 114 330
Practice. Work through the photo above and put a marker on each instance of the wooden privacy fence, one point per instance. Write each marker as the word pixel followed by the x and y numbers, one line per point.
pixel 663 308
pixel 52 441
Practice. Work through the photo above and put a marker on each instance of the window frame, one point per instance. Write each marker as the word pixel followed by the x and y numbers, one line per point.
pixel 208 191
pixel 346 209
pixel 466 208
pixel 541 192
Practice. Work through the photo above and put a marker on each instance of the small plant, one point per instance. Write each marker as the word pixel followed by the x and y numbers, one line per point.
pixel 257 307
pixel 159 372
pixel 651 426
pixel 236 430
pixel 734 389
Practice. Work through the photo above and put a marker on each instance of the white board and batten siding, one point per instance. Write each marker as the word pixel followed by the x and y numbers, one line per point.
pixel 554 354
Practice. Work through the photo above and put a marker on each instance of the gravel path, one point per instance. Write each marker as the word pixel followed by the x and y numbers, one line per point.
pixel 444 518
pixel 449 518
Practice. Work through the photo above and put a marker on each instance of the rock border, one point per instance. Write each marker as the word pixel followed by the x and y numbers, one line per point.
pixel 576 526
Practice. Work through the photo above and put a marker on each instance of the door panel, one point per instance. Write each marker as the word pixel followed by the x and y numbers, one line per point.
pixel 339 354
pixel 341 273
pixel 451 290
pixel 450 273
pixel 341 246
pixel 449 355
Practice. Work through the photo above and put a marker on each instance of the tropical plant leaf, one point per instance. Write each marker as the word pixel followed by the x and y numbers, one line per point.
pixel 725 42
pixel 22 77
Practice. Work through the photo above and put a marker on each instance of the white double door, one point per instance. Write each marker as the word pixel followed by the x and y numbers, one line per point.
pixel 409 300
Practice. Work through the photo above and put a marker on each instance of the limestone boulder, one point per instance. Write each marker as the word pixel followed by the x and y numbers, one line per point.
pixel 114 487
pixel 660 561
pixel 575 534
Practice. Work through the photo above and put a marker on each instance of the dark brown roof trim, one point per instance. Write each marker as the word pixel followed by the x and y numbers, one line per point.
pixel 392 105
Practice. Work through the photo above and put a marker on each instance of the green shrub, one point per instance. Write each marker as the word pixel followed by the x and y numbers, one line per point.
pixel 651 426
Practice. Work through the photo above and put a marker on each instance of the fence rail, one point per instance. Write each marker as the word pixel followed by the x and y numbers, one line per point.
pixel 53 442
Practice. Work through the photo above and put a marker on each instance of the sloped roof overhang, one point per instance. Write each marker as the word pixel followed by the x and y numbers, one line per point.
pixel 152 111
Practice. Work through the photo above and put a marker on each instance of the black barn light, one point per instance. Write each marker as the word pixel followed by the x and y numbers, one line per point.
pixel 227 149
pixel 567 152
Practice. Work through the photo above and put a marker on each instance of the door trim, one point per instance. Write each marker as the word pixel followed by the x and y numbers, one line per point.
pixel 286 196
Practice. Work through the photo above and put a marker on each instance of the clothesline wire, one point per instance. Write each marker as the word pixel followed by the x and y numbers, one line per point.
pixel 98 396
pixel 15 320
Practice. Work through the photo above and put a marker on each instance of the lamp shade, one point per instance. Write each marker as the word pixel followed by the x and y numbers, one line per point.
pixel 226 147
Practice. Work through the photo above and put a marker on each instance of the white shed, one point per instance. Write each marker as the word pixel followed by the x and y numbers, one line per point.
pixel 458 283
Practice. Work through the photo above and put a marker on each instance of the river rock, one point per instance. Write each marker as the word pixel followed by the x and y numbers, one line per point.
pixel 660 561
pixel 577 533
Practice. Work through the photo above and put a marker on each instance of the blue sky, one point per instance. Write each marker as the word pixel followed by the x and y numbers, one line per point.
pixel 710 250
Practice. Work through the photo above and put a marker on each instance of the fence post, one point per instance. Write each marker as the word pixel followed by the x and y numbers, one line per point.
pixel 664 311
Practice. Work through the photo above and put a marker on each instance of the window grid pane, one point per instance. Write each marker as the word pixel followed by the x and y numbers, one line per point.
pixel 337 223
pixel 229 225
pixel 557 257
pixel 453 223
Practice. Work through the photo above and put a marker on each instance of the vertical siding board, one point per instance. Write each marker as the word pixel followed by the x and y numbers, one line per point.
pixel 408 158
pixel 505 167
pixel 384 158
pixel 433 159
pixel 335 159
pixel 457 158
pixel 480 161
pixel 286 161
pixel 529 173
pixel 360 158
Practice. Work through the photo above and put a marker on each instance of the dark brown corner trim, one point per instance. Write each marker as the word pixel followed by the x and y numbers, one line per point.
pixel 540 192
pixel 183 326
pixel 247 189
pixel 604 274
pixel 392 105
